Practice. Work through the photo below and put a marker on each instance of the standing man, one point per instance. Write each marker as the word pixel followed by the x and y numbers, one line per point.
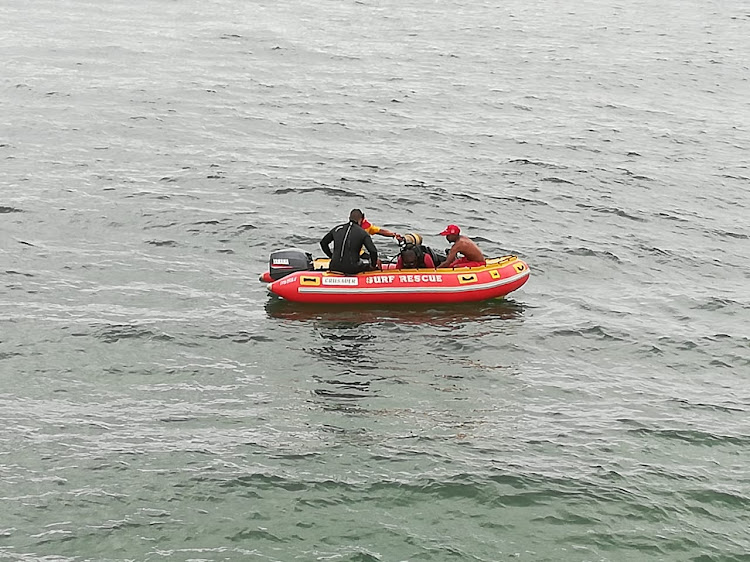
pixel 472 255
pixel 348 239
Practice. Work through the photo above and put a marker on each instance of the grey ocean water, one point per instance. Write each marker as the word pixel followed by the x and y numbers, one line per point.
pixel 156 404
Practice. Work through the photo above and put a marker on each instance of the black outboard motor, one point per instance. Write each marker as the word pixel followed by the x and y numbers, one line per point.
pixel 290 260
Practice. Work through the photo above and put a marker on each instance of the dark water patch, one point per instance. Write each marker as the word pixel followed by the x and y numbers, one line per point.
pixel 522 200
pixel 342 394
pixel 539 163
pixel 4 209
pixel 724 408
pixel 720 363
pixel 169 243
pixel 650 350
pixel 165 225
pixel 246 227
pixel 242 337
pixel 345 355
pixel 588 252
pixel 347 384
pixel 716 304
pixel 623 542
pixel 654 251
pixel 269 482
pixel 565 518
pixel 482 239
pixel 557 180
pixel 596 332
pixel 255 535
pixel 730 234
pixel 730 500
pixel 466 197
pixel 669 216
pixel 363 556
pixel 635 176
pixel 117 332
pixel 722 556
pixel 692 437
pixel 149 194
pixel 21 273
pixel 611 211
pixel 330 191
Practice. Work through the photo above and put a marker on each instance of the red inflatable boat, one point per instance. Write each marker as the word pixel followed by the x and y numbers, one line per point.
pixel 497 278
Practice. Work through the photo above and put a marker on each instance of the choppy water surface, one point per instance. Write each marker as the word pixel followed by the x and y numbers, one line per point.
pixel 158 405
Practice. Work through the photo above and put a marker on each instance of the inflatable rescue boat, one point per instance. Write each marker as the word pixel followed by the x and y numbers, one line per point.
pixel 296 277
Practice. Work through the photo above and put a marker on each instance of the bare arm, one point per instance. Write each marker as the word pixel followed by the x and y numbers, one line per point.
pixel 452 255
pixel 387 233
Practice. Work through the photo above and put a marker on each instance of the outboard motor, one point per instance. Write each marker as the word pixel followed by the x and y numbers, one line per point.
pixel 290 260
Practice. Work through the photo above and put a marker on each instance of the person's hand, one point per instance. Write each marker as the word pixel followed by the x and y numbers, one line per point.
pixel 397 236
pixel 379 265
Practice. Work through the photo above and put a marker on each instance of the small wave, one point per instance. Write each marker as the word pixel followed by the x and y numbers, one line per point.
pixel 716 303
pixel 725 408
pixel 693 436
pixel 10 210
pixel 523 200
pixel 333 191
pixel 729 234
pixel 170 243
pixel 558 180
pixel 598 332
pixel 670 217
pixel 581 251
pixel 612 211
pixel 117 332
pixel 731 500
pixel 242 337
pixel 166 225
pixel 528 162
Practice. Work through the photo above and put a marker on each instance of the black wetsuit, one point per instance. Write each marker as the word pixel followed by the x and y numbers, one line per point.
pixel 348 239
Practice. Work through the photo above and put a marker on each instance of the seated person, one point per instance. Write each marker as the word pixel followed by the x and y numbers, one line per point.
pixel 472 255
pixel 348 240
pixel 409 258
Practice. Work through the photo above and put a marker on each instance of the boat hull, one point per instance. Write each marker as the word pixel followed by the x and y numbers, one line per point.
pixel 497 278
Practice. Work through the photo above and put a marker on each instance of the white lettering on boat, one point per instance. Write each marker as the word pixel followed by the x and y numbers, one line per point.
pixel 280 261
pixel 349 281
pixel 420 278
pixel 286 280
pixel 380 278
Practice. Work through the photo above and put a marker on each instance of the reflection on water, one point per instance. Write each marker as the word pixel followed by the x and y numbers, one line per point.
pixel 353 355
pixel 338 316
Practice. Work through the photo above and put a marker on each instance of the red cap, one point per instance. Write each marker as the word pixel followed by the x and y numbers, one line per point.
pixel 450 229
pixel 365 224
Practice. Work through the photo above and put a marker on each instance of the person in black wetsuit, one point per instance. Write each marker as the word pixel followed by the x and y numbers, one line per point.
pixel 348 239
